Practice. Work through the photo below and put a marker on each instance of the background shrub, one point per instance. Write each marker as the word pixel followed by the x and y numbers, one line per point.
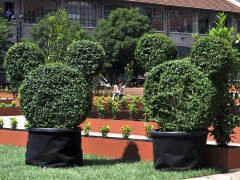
pixel 211 55
pixel 55 96
pixel 21 58
pixel 87 56
pixel 179 96
pixel 154 49
pixel 118 35
pixel 54 33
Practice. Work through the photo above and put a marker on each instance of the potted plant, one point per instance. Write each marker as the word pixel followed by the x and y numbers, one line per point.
pixel 104 130
pixel 115 108
pixel 13 122
pixel 1 123
pixel 179 98
pixel 55 99
pixel 125 130
pixel 86 128
pixel 100 107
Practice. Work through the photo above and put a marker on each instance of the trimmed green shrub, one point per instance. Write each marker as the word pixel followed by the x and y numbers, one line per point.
pixel 87 56
pixel 179 96
pixel 215 56
pixel 211 55
pixel 154 49
pixel 21 58
pixel 55 96
pixel 118 35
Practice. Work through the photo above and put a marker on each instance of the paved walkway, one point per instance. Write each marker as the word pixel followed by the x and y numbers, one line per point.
pixel 227 176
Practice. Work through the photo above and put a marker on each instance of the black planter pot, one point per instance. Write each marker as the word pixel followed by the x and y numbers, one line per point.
pixel 175 151
pixel 54 147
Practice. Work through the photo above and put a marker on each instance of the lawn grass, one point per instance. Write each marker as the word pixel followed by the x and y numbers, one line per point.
pixel 12 166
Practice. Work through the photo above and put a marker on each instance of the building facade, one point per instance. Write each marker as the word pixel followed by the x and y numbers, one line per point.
pixel 178 19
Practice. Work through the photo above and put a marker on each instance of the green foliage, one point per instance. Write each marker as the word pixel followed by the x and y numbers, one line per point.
pixel 104 130
pixel 148 129
pixel 115 108
pixel 27 124
pixel 221 30
pixel 211 55
pixel 133 107
pixel 87 56
pixel 119 34
pixel 123 102
pixel 110 103
pixel 129 70
pixel 13 122
pixel 179 96
pixel 1 123
pixel 154 49
pixel 86 128
pixel 3 104
pixel 125 130
pixel 55 96
pixel 215 56
pixel 5 36
pixel 21 59
pixel 54 33
pixel 13 104
pixel 100 107
pixel 146 112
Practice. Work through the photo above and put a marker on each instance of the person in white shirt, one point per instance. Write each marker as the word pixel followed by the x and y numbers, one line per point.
pixel 118 90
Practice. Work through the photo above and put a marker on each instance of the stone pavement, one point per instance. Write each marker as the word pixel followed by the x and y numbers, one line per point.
pixel 227 176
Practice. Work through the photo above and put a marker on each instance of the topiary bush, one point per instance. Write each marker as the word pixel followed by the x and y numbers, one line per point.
pixel 55 96
pixel 21 58
pixel 87 56
pixel 178 96
pixel 154 49
pixel 211 55
pixel 214 56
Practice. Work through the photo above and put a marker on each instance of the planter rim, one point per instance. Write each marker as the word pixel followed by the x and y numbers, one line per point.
pixel 158 133
pixel 54 130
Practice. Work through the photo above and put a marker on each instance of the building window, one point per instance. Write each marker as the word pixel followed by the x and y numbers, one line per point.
pixel 155 16
pixel 35 10
pixel 109 9
pixel 181 21
pixel 204 23
pixel 84 12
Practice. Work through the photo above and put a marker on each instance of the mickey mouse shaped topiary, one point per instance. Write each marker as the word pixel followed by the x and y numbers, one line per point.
pixel 87 56
pixel 180 99
pixel 55 99
pixel 21 59
pixel 154 49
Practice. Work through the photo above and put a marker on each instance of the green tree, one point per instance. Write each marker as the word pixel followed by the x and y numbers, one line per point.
pixel 54 33
pixel 118 35
pixel 5 35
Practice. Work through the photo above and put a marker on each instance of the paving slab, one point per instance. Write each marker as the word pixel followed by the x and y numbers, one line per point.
pixel 227 176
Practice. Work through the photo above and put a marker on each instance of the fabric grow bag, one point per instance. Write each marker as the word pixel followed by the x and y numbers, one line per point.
pixel 54 147
pixel 175 151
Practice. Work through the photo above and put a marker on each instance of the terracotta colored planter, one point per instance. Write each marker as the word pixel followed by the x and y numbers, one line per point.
pixel 13 137
pixel 228 158
pixel 5 95
pixel 118 148
pixel 8 101
pixel 121 115
pixel 10 111
pixel 115 125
